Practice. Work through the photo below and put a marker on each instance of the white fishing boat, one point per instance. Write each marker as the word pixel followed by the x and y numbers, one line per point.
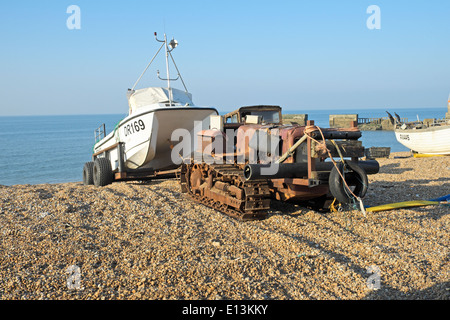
pixel 433 140
pixel 141 144
pixel 425 137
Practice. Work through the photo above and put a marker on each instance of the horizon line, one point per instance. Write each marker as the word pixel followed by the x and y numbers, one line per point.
pixel 225 111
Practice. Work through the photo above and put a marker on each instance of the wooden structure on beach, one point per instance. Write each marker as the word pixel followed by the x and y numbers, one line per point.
pixel 345 120
pixel 342 120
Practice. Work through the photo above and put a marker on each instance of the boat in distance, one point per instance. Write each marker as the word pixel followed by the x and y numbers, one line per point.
pixel 142 141
pixel 432 140
pixel 424 137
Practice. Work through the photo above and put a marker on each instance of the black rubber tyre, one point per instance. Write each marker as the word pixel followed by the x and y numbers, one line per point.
pixel 357 178
pixel 103 174
pixel 88 173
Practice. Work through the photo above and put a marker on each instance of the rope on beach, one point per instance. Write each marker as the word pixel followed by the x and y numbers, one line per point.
pixel 360 202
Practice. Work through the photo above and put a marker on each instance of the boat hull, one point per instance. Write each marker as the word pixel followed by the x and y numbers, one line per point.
pixel 147 136
pixel 433 140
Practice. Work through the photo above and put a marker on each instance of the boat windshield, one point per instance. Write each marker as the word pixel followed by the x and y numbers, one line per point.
pixel 269 116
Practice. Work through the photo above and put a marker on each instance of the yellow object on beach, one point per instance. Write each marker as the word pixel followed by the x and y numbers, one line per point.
pixel 424 155
pixel 399 205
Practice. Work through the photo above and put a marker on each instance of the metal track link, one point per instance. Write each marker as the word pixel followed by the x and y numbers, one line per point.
pixel 253 206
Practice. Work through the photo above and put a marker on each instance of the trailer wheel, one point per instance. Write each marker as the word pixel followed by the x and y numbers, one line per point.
pixel 357 178
pixel 103 174
pixel 88 173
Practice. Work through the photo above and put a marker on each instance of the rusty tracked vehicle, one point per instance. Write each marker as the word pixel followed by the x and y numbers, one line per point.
pixel 249 157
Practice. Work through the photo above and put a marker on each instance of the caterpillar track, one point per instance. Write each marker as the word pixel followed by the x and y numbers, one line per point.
pixel 224 188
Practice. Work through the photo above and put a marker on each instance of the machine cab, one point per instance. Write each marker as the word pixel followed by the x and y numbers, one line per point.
pixel 264 114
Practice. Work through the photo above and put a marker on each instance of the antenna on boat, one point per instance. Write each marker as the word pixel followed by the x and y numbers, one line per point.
pixel 172 45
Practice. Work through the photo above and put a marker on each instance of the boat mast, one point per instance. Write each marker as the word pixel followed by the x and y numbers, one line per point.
pixel 173 44
pixel 167 68
pixel 167 65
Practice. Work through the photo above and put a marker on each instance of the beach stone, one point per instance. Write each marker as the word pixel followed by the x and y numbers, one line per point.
pixel 146 240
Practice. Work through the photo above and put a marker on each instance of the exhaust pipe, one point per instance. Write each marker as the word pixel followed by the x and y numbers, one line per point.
pixel 300 170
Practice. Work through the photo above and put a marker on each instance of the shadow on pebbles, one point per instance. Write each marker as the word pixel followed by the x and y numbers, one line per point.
pixel 134 240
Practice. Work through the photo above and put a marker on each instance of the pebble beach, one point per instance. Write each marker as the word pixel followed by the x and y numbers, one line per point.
pixel 147 241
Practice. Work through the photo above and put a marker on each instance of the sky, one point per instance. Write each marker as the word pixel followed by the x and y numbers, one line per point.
pixel 296 54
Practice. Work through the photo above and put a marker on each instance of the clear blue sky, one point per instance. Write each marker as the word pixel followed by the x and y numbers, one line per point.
pixel 297 54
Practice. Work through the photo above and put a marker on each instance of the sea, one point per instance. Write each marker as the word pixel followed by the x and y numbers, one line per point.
pixel 53 149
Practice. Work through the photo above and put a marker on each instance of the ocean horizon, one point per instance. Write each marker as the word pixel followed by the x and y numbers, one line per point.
pixel 53 148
